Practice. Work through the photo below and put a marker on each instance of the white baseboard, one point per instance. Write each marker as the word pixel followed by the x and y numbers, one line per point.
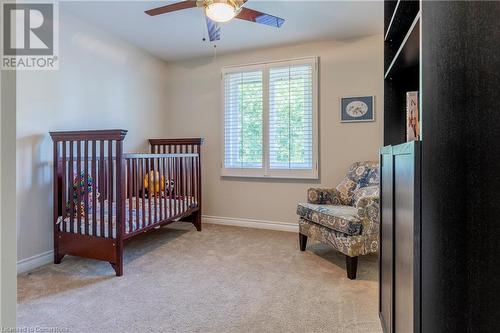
pixel 26 265
pixel 247 223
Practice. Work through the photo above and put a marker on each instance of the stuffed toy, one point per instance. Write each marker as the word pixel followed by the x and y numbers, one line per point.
pixel 154 178
pixel 81 185
pixel 160 185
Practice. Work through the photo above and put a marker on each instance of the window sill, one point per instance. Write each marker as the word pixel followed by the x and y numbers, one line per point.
pixel 298 175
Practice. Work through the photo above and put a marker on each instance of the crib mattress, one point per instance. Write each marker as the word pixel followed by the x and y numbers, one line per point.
pixel 173 207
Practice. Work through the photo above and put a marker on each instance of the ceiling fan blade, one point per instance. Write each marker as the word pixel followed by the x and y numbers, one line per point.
pixel 171 8
pixel 258 17
pixel 213 29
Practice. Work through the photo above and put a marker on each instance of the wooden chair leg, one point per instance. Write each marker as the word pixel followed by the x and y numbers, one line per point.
pixel 351 264
pixel 302 242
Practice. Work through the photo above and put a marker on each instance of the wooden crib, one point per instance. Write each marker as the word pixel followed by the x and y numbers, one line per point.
pixel 103 197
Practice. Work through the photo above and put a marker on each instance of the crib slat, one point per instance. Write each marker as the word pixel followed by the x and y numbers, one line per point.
pixel 161 194
pixel 78 190
pixel 136 174
pixel 71 193
pixel 176 188
pixel 170 180
pixel 191 177
pixel 86 193
pixel 140 193
pixel 189 174
pixel 155 194
pixel 198 180
pixel 183 175
pixel 182 180
pixel 63 187
pixel 181 184
pixel 94 189
pixel 198 177
pixel 169 185
pixel 110 189
pixel 188 182
pixel 195 177
pixel 143 220
pixel 167 181
pixel 148 169
pixel 102 187
pixel 130 192
pixel 193 180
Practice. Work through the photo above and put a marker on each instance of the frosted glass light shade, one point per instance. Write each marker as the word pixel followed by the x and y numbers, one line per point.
pixel 220 12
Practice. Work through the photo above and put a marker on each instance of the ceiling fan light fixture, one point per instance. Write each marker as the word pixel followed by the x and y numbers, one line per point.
pixel 221 11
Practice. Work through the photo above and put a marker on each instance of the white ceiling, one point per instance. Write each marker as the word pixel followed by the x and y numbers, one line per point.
pixel 179 35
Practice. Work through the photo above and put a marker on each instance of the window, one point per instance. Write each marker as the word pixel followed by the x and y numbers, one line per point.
pixel 270 120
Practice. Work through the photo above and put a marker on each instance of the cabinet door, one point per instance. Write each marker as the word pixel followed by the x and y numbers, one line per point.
pixel 386 238
pixel 406 237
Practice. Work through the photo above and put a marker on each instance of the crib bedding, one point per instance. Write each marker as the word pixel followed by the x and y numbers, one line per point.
pixel 173 206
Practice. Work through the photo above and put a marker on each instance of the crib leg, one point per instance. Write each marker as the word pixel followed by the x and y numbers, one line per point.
pixel 58 257
pixel 197 220
pixel 118 266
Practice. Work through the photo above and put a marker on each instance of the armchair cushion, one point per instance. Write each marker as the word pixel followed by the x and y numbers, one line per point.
pixel 343 219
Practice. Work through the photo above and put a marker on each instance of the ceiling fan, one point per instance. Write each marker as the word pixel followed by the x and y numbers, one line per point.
pixel 219 11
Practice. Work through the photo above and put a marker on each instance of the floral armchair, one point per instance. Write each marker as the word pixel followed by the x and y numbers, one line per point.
pixel 345 217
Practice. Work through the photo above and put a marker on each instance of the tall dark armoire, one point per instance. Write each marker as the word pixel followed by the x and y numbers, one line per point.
pixel 440 195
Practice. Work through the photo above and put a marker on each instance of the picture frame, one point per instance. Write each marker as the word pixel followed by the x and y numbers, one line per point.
pixel 354 109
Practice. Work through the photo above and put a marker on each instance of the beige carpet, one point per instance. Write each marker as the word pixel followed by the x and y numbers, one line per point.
pixel 223 279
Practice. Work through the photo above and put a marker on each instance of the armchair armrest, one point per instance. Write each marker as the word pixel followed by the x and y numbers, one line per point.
pixel 369 213
pixel 323 196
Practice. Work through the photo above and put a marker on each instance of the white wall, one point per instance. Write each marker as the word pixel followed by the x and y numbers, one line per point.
pixel 102 83
pixel 347 68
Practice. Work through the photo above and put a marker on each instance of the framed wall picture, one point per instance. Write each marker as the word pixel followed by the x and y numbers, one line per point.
pixel 357 109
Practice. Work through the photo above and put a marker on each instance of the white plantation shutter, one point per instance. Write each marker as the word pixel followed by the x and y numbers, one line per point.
pixel 243 123
pixel 270 120
pixel 291 117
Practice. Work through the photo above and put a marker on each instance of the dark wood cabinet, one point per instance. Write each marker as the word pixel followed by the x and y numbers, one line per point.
pixel 400 238
pixel 441 273
pixel 386 262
